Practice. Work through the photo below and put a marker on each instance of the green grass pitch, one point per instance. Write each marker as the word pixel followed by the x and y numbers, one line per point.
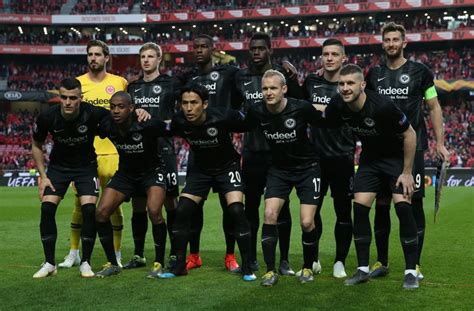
pixel 447 265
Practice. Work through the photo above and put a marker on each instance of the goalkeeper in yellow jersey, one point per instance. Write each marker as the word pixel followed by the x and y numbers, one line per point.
pixel 98 86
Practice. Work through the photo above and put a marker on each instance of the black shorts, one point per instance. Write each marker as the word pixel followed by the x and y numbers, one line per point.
pixel 255 167
pixel 419 174
pixel 85 180
pixel 307 182
pixel 132 186
pixel 199 182
pixel 379 175
pixel 337 173
pixel 171 168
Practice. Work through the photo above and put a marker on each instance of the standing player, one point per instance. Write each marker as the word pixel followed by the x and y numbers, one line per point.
pixel 220 83
pixel 284 124
pixel 256 156
pixel 98 86
pixel 141 168
pixel 335 148
pixel 156 93
pixel 73 125
pixel 216 164
pixel 407 83
pixel 388 149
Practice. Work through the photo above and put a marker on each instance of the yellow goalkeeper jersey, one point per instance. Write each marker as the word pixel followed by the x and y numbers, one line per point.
pixel 98 94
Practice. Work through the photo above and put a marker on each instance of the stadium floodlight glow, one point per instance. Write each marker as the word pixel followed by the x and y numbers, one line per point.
pixel 222 52
pixel 334 19
pixel 220 28
pixel 194 26
pixel 406 15
pixel 98 29
pixel 472 17
pixel 464 12
pixel 143 28
pixel 445 13
pixel 20 30
pixel 282 22
pixel 286 25
pixel 448 18
pixel 215 25
pixel 314 57
pixel 173 27
pixel 321 23
pixel 370 17
pixel 352 18
pixel 45 31
pixel 389 16
pixel 265 23
pixel 253 26
pixel 248 24
pixel 426 14
pixel 180 29
pixel 317 20
pixel 299 21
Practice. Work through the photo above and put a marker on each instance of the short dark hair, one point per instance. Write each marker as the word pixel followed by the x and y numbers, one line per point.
pixel 391 26
pixel 71 84
pixel 99 43
pixel 262 36
pixel 195 88
pixel 350 69
pixel 332 41
pixel 206 37
pixel 122 94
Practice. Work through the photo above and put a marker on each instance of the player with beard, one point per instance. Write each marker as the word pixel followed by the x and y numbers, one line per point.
pixel 98 86
pixel 388 150
pixel 335 148
pixel 141 168
pixel 408 84
pixel 219 81
pixel 156 93
pixel 256 155
pixel 216 164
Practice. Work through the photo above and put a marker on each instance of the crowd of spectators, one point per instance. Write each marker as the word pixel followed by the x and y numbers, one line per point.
pixel 40 7
pixel 323 27
pixel 103 7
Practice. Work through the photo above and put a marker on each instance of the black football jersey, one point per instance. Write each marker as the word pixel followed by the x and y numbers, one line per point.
pixel 211 142
pixel 379 125
pixel 138 146
pixel 159 98
pixel 220 83
pixel 329 142
pixel 406 86
pixel 287 132
pixel 249 84
pixel 73 139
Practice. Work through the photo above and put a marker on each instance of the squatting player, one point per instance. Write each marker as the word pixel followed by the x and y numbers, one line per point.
pixel 73 125
pixel 335 148
pixel 141 168
pixel 98 86
pixel 156 93
pixel 256 155
pixel 388 150
pixel 284 124
pixel 408 84
pixel 216 164
pixel 219 81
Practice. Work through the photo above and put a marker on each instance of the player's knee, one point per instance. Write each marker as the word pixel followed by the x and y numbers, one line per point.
pixel 88 210
pixel 271 216
pixel 48 210
pixel 307 224
pixel 102 214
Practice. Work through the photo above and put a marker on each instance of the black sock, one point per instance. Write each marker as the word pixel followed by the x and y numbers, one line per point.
pixel 343 228
pixel 318 231
pixel 308 240
pixel 419 214
pixel 196 228
pixel 284 230
pixel 242 234
pixel 88 232
pixel 139 229
pixel 408 234
pixel 227 226
pixel 170 218
pixel 159 238
pixel 362 233
pixel 269 242
pixel 180 234
pixel 382 228
pixel 104 229
pixel 48 230
pixel 251 211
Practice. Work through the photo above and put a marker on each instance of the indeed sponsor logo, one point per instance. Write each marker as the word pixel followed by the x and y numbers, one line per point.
pixel 254 96
pixel 130 147
pixel 203 142
pixel 211 86
pixel 321 99
pixel 147 100
pixel 72 140
pixel 365 132
pixel 280 136
pixel 98 102
pixel 393 90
